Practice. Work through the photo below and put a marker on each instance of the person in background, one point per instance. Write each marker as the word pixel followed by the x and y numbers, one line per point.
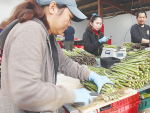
pixel 1 51
pixel 140 32
pixel 32 57
pixel 93 39
pixel 69 38
pixel 1 29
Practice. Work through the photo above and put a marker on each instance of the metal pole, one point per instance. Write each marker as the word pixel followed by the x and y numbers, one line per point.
pixel 100 8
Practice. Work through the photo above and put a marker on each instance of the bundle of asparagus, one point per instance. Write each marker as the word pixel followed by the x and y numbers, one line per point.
pixel 106 92
pixel 131 46
pixel 106 89
pixel 114 77
pixel 113 46
pixel 81 56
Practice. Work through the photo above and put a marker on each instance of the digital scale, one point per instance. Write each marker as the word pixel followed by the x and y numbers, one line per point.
pixel 112 52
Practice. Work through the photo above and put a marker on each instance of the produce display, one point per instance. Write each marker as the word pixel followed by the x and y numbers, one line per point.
pixel 131 72
pixel 131 46
pixel 113 46
pixel 81 56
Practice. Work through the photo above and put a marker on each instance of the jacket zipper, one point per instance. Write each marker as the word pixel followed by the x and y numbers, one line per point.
pixel 52 59
pixel 47 39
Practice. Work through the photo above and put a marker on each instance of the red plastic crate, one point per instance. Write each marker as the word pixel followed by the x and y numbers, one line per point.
pixel 76 39
pixel 79 46
pixel 102 29
pixel 127 105
pixel 109 42
pixel 130 108
pixel 124 104
pixel 126 101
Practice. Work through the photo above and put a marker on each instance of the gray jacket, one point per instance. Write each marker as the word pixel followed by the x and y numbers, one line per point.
pixel 27 81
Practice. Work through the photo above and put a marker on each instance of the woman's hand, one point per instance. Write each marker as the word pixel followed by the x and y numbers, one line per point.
pixel 104 39
pixel 83 95
pixel 99 80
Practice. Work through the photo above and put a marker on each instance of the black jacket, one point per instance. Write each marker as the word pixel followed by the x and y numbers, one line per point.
pixel 91 43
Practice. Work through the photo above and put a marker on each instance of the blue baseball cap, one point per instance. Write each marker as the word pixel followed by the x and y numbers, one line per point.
pixel 72 6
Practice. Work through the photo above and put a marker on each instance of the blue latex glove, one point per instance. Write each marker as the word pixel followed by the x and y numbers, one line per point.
pixel 104 39
pixel 83 95
pixel 99 80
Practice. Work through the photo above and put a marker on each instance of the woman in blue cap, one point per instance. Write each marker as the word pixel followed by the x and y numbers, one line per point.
pixel 32 57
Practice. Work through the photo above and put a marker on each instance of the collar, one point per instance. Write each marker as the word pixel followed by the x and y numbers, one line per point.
pixel 95 32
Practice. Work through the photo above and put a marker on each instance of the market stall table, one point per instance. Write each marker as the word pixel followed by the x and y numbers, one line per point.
pixel 72 83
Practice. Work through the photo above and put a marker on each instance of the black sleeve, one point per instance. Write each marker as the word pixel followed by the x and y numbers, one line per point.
pixel 88 46
pixel 1 30
pixel 135 36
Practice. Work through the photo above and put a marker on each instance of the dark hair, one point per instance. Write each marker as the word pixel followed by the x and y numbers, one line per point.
pixel 26 11
pixel 92 20
pixel 61 6
pixel 137 14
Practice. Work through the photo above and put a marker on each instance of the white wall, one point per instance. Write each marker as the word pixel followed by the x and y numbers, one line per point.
pixel 79 28
pixel 6 8
pixel 118 27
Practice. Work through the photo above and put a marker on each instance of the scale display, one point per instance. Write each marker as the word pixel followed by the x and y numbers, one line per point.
pixel 119 54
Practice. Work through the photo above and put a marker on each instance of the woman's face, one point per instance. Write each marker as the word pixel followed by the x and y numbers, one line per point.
pixel 58 19
pixel 97 24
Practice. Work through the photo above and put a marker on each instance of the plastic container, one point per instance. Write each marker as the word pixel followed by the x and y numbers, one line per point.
pixel 78 42
pixel 145 103
pixel 127 105
pixel 130 108
pixel 126 101
pixel 109 42
pixel 79 46
pixel 106 62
